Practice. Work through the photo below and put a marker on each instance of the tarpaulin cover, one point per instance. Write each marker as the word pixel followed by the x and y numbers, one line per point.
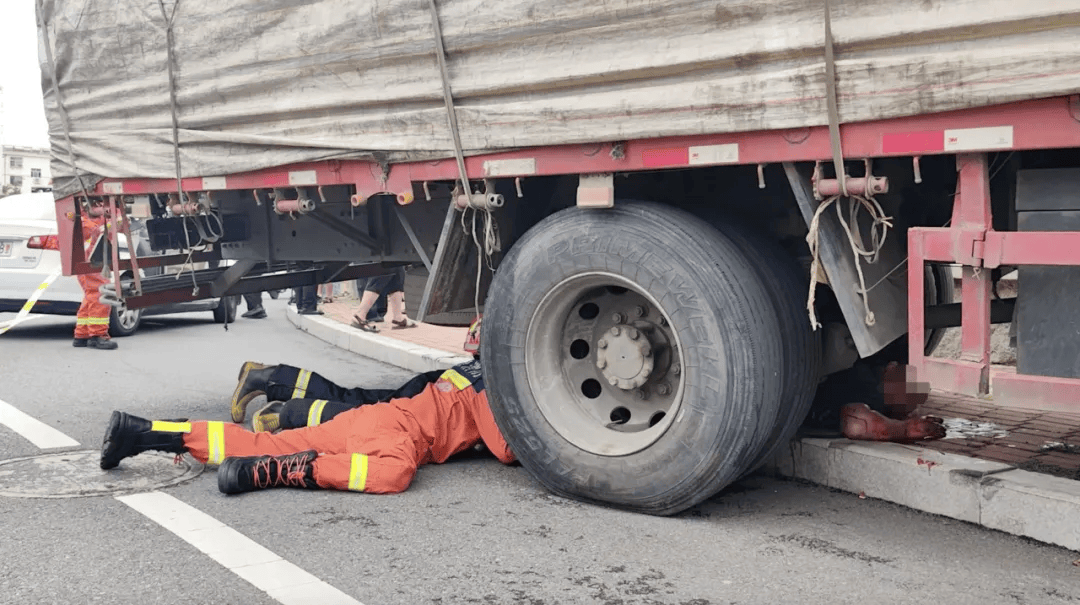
pixel 261 83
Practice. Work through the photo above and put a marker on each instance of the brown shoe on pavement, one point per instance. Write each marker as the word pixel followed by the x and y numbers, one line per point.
pixel 251 383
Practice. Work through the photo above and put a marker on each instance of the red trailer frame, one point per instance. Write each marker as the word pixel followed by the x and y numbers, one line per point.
pixel 970 240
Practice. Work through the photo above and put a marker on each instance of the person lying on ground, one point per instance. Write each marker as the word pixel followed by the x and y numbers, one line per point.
pixel 375 448
pixel 873 402
pixel 281 383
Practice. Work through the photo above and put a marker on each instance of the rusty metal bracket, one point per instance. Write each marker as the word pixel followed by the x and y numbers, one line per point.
pixel 231 276
pixel 345 229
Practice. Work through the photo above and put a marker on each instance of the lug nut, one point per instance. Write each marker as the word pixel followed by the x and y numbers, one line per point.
pixel 633 334
pixel 639 394
pixel 663 389
pixel 602 343
pixel 617 318
pixel 676 370
pixel 613 381
pixel 641 311
pixel 663 321
pixel 601 363
pixel 616 331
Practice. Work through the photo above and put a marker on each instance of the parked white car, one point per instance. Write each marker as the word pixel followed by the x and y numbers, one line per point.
pixel 23 269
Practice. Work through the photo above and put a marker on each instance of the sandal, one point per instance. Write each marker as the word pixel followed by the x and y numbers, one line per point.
pixel 363 324
pixel 401 324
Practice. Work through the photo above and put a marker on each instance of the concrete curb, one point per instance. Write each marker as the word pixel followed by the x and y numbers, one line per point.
pixel 416 358
pixel 990 494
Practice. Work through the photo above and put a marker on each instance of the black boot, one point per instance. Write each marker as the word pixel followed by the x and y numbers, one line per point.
pixel 245 474
pixel 100 342
pixel 252 382
pixel 129 435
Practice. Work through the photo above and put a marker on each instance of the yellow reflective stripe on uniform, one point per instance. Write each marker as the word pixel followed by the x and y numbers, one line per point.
pixel 171 427
pixel 459 381
pixel 301 384
pixel 215 439
pixel 358 472
pixel 97 321
pixel 314 416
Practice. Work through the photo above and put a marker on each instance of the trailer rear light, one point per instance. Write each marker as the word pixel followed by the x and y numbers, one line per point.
pixel 41 242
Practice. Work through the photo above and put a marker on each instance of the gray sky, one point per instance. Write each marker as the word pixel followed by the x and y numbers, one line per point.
pixel 23 118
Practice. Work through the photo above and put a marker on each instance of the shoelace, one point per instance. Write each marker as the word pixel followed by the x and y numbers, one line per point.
pixel 290 471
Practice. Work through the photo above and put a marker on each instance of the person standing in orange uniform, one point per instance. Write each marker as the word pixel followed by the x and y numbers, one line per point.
pixel 375 448
pixel 92 320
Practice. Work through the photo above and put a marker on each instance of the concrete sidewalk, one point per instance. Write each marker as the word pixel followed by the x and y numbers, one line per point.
pixel 1012 470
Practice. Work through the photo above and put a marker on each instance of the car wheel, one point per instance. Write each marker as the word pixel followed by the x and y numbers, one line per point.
pixel 124 321
pixel 225 312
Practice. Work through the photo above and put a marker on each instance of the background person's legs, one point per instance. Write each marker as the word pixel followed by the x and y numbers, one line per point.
pixel 395 301
pixel 308 301
pixel 255 308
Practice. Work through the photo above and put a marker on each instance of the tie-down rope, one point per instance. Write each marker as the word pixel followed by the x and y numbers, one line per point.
pixel 490 244
pixel 880 222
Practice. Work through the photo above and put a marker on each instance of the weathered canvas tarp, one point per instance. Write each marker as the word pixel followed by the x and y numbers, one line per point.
pixel 269 82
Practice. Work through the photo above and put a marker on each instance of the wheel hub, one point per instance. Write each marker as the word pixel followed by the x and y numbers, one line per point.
pixel 624 357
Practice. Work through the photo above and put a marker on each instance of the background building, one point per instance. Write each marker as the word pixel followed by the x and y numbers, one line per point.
pixel 24 169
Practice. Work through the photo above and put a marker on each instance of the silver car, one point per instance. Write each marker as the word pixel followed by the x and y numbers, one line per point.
pixel 23 269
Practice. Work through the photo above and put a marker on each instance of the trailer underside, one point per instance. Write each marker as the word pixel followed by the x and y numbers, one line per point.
pixel 949 179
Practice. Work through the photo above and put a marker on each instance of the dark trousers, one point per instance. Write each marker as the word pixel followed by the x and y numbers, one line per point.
pixel 308 299
pixel 305 391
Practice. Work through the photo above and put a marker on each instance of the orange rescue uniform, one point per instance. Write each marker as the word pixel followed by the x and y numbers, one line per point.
pixel 373 448
pixel 93 316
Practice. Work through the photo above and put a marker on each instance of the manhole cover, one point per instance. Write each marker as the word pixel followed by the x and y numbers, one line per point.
pixel 77 474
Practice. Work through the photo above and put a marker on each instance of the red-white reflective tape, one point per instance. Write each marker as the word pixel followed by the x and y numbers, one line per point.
pixel 302 177
pixel 212 183
pixel 115 188
pixel 515 167
pixel 714 154
pixel 957 139
pixel 698 155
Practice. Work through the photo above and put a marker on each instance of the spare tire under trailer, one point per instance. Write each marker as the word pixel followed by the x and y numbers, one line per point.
pixel 639 357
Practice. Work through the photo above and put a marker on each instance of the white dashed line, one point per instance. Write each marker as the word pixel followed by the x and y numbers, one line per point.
pixel 34 430
pixel 283 581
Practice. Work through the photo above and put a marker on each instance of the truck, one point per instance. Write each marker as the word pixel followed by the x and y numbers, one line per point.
pixel 675 217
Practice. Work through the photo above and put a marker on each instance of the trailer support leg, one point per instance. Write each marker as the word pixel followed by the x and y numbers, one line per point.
pixel 971 242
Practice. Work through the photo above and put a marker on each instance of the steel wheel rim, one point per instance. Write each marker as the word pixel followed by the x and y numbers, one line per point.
pixel 127 318
pixel 571 371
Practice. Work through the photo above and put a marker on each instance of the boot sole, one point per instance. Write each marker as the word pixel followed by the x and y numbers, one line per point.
pixel 240 400
pixel 110 447
pixel 261 422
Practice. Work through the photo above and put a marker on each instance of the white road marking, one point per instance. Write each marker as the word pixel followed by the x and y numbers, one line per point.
pixel 283 581
pixel 34 430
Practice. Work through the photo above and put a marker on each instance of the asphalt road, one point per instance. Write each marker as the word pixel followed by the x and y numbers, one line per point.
pixel 470 531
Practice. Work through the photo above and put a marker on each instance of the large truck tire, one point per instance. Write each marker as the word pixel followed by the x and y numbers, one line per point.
pixel 939 290
pixel 787 285
pixel 633 356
